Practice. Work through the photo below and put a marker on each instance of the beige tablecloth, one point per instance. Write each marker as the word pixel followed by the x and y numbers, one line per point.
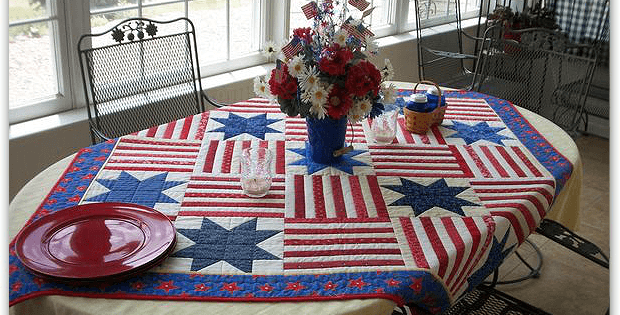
pixel 564 210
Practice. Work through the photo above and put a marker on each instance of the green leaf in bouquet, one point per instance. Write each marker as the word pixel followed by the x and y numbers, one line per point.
pixel 288 107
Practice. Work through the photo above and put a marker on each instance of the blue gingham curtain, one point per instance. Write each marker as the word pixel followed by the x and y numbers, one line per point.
pixel 585 22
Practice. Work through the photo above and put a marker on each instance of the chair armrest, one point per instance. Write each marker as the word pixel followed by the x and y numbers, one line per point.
pixel 207 100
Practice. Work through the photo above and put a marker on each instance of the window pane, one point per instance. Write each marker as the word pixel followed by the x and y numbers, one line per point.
pixel 434 10
pixel 154 1
pixel 164 12
pixel 379 17
pixel 244 34
pixel 32 72
pixel 102 22
pixel 470 5
pixel 297 18
pixel 107 4
pixel 209 17
pixel 412 12
pixel 24 10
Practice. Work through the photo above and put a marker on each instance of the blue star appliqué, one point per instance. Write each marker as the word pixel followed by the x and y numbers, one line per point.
pixel 215 243
pixel 479 131
pixel 235 125
pixel 127 188
pixel 346 163
pixel 497 254
pixel 422 198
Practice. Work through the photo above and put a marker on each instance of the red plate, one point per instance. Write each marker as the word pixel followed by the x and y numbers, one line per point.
pixel 96 241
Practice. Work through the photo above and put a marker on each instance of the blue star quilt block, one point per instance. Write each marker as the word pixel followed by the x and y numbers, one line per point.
pixel 217 245
pixel 225 125
pixel 161 191
pixel 355 162
pixel 430 197
pixel 477 133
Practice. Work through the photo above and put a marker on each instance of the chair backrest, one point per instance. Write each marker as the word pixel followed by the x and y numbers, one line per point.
pixel 443 59
pixel 537 69
pixel 138 74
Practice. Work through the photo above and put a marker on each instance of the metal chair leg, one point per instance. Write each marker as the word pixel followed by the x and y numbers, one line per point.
pixel 534 271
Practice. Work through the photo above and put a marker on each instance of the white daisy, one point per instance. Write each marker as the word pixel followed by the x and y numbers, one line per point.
pixel 306 96
pixel 319 95
pixel 261 88
pixel 389 93
pixel 318 110
pixel 360 109
pixel 355 114
pixel 364 106
pixel 296 67
pixel 311 79
pixel 340 37
pixel 387 73
pixel 270 49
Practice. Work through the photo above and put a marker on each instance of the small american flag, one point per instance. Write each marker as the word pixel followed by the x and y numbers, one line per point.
pixel 360 32
pixel 368 12
pixel 310 10
pixel 292 48
pixel 360 4
pixel 279 72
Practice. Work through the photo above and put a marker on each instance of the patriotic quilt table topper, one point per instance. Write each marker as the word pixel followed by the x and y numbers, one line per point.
pixel 422 220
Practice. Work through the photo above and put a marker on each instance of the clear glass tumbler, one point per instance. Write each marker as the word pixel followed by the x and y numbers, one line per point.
pixel 383 127
pixel 256 171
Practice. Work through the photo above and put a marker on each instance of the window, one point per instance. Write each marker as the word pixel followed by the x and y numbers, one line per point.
pixel 43 78
pixel 38 83
pixel 381 20
pixel 228 32
pixel 435 12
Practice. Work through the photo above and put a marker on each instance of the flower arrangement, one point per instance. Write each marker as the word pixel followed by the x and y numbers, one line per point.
pixel 325 71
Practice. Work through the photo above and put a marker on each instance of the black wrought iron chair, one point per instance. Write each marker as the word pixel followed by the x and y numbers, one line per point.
pixel 540 70
pixel 449 62
pixel 139 74
pixel 537 69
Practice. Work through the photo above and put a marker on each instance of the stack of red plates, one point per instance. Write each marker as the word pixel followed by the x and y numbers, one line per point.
pixel 96 242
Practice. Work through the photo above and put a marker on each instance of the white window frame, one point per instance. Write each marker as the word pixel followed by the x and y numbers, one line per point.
pixel 410 26
pixel 273 24
pixel 62 100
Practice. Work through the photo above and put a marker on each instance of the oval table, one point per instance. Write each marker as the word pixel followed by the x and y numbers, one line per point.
pixel 565 210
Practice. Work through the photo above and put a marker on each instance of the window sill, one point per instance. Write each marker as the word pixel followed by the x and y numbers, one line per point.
pixel 79 115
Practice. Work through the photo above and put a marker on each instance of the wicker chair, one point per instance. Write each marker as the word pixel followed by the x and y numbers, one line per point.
pixel 140 73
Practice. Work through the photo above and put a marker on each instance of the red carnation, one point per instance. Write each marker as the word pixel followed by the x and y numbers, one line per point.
pixel 304 33
pixel 363 78
pixel 286 87
pixel 334 63
pixel 339 102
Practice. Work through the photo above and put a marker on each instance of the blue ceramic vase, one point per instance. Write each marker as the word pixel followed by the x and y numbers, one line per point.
pixel 324 137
